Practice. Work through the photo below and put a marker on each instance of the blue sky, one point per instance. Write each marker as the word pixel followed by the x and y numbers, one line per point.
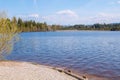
pixel 64 12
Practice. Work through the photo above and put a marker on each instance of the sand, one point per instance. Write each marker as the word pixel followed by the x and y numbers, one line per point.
pixel 10 70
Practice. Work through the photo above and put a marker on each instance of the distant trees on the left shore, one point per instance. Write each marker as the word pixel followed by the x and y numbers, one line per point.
pixel 32 26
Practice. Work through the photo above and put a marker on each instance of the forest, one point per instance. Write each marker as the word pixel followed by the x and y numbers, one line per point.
pixel 33 26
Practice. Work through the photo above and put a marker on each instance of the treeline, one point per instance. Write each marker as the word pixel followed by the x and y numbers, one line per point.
pixel 32 26
pixel 109 27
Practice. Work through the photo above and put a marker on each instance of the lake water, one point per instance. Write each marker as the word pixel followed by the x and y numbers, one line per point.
pixel 92 52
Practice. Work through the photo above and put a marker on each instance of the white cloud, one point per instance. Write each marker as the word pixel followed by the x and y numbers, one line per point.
pixel 114 2
pixel 34 15
pixel 105 18
pixel 118 2
pixel 29 16
pixel 67 12
pixel 62 17
pixel 70 17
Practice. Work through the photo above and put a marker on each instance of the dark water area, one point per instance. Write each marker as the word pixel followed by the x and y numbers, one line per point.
pixel 93 52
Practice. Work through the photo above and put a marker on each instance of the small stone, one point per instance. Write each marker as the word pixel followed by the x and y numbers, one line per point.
pixel 85 78
pixel 69 71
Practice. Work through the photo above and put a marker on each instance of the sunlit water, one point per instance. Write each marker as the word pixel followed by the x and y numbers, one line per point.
pixel 92 52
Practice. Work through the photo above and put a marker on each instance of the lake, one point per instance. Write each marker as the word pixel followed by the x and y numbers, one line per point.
pixel 93 52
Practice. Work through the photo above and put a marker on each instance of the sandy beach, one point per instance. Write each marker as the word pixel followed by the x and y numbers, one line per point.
pixel 12 70
pixel 27 71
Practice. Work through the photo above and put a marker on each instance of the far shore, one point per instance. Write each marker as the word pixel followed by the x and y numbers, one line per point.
pixel 82 30
pixel 70 31
pixel 14 70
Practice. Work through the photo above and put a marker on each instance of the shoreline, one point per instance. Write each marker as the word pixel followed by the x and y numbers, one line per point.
pixel 74 72
pixel 14 70
pixel 61 70
pixel 73 31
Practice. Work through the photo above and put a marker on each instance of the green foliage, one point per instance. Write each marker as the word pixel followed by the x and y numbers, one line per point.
pixel 32 26
pixel 8 36
pixel 110 27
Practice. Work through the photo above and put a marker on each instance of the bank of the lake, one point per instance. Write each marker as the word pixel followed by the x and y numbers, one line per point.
pixel 13 70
